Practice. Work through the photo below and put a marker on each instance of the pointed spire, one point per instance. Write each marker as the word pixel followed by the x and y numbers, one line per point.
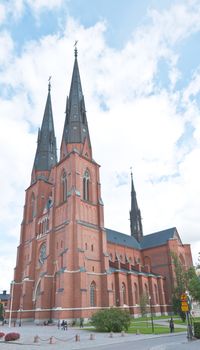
pixel 75 128
pixel 135 215
pixel 46 154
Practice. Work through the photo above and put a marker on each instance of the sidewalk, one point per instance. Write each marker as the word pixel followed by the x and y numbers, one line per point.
pixel 57 339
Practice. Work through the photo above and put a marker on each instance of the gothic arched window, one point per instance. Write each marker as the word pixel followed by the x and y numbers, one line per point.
pixel 146 289
pixel 136 293
pixel 92 294
pixel 33 206
pixel 86 179
pixel 63 186
pixel 156 294
pixel 123 293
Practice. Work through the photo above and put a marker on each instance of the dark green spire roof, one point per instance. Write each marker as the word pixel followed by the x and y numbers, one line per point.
pixel 46 156
pixel 76 127
pixel 135 215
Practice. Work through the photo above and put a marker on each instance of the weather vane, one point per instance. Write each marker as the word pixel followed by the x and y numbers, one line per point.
pixel 75 50
pixel 49 86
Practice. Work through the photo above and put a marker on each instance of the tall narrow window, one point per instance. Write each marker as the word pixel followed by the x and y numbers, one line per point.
pixel 63 187
pixel 86 179
pixel 33 209
pixel 123 293
pixel 156 294
pixel 92 294
pixel 136 293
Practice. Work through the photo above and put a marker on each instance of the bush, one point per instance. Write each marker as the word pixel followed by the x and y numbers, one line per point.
pixel 197 329
pixel 2 334
pixel 12 336
pixel 111 320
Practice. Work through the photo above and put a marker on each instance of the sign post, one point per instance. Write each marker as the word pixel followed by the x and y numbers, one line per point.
pixel 185 308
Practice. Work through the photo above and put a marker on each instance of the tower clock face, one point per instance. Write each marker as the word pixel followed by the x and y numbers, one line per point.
pixel 42 254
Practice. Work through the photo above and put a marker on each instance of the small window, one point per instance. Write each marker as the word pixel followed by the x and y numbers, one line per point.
pixel 86 179
pixel 92 247
pixel 92 294
pixel 63 186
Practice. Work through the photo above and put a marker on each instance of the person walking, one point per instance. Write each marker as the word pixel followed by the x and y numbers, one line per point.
pixel 171 325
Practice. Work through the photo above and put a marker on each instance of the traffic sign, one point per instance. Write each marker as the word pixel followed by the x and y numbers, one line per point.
pixel 185 308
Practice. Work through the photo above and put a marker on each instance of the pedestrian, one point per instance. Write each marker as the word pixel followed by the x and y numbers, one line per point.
pixel 81 322
pixel 58 324
pixel 65 325
pixel 171 325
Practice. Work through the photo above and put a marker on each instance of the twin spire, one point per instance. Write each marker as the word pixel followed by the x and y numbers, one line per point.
pixel 75 138
pixel 75 131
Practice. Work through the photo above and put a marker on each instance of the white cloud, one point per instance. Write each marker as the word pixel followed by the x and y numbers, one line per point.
pixel 139 127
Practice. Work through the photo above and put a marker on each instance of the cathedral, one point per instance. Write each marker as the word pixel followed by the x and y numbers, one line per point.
pixel 68 264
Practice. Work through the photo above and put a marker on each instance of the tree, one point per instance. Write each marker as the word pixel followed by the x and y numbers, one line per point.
pixel 193 284
pixel 144 299
pixel 111 320
pixel 179 286
pixel 1 312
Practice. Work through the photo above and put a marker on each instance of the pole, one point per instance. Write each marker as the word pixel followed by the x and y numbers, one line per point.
pixel 152 324
pixel 11 304
pixel 189 327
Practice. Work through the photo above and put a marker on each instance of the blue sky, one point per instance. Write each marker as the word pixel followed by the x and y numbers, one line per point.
pixel 140 72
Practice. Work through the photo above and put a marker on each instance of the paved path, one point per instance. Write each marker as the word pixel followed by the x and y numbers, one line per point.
pixel 66 339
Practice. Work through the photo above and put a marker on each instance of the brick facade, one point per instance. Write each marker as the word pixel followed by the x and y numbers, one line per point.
pixel 67 266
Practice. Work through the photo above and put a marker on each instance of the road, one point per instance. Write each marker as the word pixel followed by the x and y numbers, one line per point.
pixel 169 342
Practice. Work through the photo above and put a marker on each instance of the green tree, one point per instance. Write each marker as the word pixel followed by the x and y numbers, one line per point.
pixel 144 299
pixel 1 312
pixel 111 320
pixel 179 286
pixel 193 284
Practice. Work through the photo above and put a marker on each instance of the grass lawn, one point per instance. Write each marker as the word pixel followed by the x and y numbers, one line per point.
pixel 146 328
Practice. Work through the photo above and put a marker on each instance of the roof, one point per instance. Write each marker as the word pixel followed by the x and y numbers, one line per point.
pixel 148 241
pixel 158 238
pixel 4 296
pixel 121 239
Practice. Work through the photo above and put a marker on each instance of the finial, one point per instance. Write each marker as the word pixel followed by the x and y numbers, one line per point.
pixel 49 85
pixel 75 50
pixel 131 172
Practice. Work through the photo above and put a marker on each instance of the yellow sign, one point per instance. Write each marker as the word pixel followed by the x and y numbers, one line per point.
pixel 185 308
pixel 184 297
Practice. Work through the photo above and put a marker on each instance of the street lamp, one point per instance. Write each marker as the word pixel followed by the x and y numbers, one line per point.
pixel 152 324
pixel 11 303
pixel 20 317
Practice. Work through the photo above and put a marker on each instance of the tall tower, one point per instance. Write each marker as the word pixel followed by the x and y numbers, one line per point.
pixel 62 263
pixel 135 215
pixel 37 223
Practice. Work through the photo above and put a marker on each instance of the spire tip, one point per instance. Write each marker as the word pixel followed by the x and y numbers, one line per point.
pixel 49 84
pixel 75 50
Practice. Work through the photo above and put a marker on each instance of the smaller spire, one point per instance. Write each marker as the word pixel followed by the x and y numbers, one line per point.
pixel 135 215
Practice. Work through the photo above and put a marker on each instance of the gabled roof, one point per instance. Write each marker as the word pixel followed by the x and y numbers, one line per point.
pixel 148 241
pixel 158 238
pixel 121 239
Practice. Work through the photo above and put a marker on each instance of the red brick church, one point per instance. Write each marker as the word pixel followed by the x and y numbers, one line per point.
pixel 68 264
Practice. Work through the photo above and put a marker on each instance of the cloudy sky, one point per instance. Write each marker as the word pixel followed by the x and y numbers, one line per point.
pixel 140 69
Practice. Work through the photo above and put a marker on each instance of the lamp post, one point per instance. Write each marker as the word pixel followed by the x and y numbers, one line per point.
pixel 152 324
pixel 11 303
pixel 20 317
